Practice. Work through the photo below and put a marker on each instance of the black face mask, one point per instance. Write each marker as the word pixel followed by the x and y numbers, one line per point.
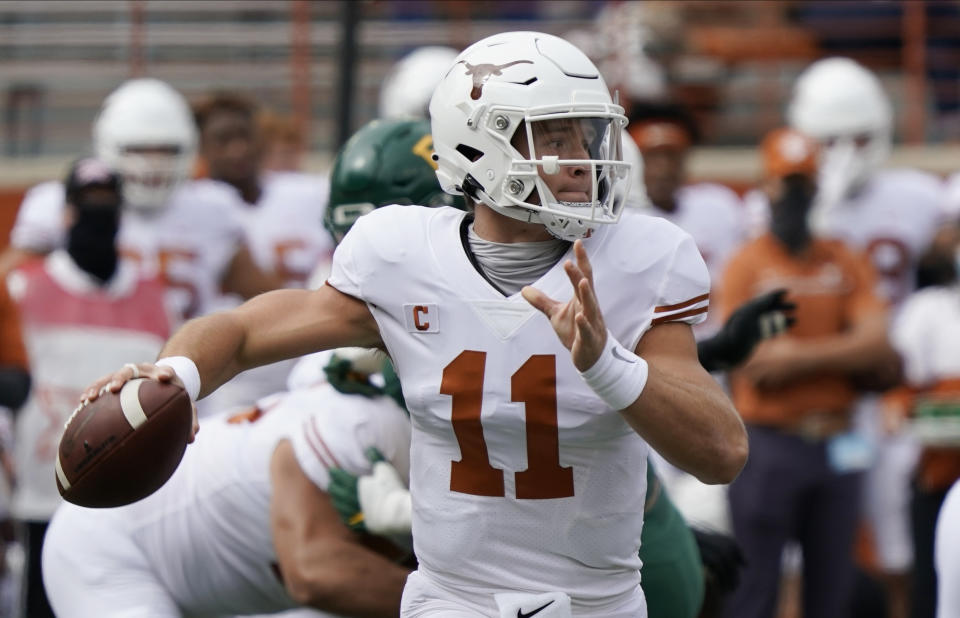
pixel 90 241
pixel 789 214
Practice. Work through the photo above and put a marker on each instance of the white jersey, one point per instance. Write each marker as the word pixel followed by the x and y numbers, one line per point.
pixel 190 242
pixel 206 533
pixel 713 215
pixel 893 219
pixel 521 478
pixel 926 333
pixel 952 203
pixel 75 332
pixel 284 231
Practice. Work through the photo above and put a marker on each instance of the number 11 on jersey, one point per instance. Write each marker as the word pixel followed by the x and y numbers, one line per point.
pixel 534 384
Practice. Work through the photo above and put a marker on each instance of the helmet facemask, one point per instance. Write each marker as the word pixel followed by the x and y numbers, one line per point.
pixel 848 161
pixel 150 175
pixel 146 132
pixel 493 105
pixel 568 170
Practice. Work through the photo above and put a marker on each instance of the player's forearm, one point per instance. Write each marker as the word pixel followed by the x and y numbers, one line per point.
pixel 861 350
pixel 685 416
pixel 271 327
pixel 342 577
pixel 214 344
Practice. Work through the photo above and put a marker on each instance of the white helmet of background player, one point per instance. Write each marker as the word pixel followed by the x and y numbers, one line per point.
pixel 842 105
pixel 146 131
pixel 513 81
pixel 407 90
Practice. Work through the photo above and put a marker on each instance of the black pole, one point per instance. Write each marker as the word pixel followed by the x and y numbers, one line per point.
pixel 349 18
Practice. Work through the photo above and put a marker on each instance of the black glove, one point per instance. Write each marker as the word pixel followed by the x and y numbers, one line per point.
pixel 758 319
pixel 722 560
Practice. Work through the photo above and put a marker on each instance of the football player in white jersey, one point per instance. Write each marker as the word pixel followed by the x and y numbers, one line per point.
pixel 927 335
pixel 388 161
pixel 281 215
pixel 892 215
pixel 245 525
pixel 188 232
pixel 530 430
pixel 711 213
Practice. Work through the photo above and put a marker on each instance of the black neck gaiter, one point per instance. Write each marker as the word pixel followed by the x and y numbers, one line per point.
pixel 90 241
pixel 789 214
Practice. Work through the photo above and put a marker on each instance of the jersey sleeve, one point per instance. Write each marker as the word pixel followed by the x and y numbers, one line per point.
pixel 347 273
pixel 39 224
pixel 684 292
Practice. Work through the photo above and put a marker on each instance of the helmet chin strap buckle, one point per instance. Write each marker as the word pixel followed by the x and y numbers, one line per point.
pixel 550 164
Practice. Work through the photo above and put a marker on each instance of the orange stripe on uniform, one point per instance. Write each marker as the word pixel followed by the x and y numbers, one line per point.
pixel 322 444
pixel 313 447
pixel 686 303
pixel 678 316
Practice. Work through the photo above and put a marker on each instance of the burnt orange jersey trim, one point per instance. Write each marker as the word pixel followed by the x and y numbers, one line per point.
pixel 686 303
pixel 678 316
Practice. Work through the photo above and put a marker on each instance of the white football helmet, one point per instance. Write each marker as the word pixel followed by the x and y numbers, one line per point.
pixel 842 105
pixel 407 90
pixel 534 82
pixel 146 131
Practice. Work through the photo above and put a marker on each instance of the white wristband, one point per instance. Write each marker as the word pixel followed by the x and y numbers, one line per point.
pixel 618 376
pixel 186 370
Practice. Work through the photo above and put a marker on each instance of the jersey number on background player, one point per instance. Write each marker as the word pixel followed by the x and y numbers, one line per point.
pixel 535 385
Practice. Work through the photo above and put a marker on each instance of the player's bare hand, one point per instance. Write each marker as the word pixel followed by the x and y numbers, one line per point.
pixel 578 322
pixel 113 382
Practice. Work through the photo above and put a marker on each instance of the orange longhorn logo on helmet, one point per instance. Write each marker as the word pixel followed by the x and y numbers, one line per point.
pixel 482 72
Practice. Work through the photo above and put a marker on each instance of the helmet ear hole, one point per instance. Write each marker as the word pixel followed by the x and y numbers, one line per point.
pixel 470 153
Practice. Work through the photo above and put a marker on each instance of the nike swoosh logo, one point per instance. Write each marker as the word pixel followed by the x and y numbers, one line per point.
pixel 617 355
pixel 521 614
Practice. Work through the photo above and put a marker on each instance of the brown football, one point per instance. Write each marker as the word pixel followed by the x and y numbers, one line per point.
pixel 123 446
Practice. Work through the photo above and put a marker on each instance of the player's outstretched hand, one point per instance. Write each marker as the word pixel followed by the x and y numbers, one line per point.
pixel 113 382
pixel 578 322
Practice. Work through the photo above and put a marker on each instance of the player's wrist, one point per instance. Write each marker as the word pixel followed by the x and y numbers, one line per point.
pixel 618 377
pixel 186 370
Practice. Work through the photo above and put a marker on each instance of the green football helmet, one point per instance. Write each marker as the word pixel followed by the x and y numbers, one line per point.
pixel 388 161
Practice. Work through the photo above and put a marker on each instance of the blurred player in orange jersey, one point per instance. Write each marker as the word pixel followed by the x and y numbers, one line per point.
pixel 892 216
pixel 802 481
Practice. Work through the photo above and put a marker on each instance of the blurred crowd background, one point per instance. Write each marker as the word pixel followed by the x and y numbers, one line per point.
pixel 321 63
